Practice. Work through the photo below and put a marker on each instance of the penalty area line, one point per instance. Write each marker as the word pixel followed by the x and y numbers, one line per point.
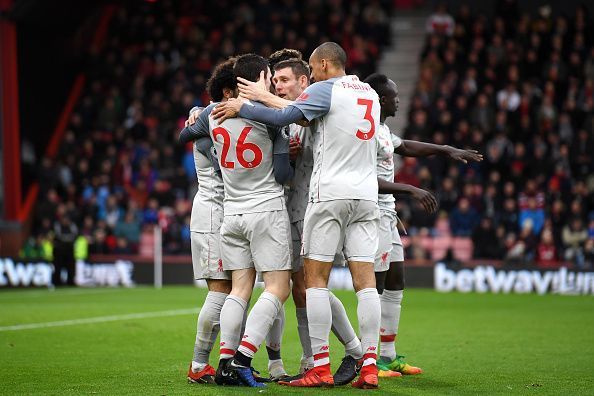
pixel 101 319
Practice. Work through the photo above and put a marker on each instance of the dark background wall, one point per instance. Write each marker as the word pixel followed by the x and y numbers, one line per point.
pixel 52 40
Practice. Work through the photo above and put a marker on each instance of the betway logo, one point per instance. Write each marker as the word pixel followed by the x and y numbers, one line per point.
pixel 488 279
pixel 109 274
pixel 40 274
pixel 21 274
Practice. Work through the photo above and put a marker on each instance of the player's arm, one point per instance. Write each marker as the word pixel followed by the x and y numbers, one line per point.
pixel 256 91
pixel 199 129
pixel 233 108
pixel 411 148
pixel 283 170
pixel 426 199
pixel 314 102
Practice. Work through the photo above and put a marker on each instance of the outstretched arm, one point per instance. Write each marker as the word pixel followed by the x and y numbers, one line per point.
pixel 424 197
pixel 411 148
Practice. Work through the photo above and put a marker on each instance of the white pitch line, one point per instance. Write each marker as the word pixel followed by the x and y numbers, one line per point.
pixel 101 319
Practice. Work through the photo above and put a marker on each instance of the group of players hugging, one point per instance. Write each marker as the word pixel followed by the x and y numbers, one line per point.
pixel 294 176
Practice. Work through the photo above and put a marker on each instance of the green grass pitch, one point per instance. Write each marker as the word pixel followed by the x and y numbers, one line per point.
pixel 466 344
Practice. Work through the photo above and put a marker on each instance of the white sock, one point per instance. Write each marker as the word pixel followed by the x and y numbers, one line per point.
pixel 259 322
pixel 274 337
pixel 319 318
pixel 342 328
pixel 196 367
pixel 207 328
pixel 276 368
pixel 307 363
pixel 231 319
pixel 303 331
pixel 369 314
pixel 391 301
pixel 245 315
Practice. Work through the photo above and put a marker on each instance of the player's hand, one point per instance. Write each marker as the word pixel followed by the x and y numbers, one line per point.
pixel 228 109
pixel 252 90
pixel 426 199
pixel 294 148
pixel 192 118
pixel 464 155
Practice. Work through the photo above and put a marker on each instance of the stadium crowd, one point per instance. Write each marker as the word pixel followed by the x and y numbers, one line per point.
pixel 519 89
pixel 119 170
pixel 516 87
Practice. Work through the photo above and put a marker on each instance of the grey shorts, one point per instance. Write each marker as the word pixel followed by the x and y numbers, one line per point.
pixel 390 248
pixel 256 240
pixel 347 225
pixel 206 256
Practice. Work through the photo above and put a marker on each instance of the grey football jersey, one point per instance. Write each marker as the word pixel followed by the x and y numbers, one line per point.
pixel 346 113
pixel 245 152
pixel 207 208
pixel 385 163
pixel 298 196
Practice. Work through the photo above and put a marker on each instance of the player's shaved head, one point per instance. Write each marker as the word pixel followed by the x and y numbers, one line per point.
pixel 387 91
pixel 222 78
pixel 331 52
pixel 249 66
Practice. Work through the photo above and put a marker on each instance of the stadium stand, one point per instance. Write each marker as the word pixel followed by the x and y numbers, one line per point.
pixel 520 89
pixel 118 170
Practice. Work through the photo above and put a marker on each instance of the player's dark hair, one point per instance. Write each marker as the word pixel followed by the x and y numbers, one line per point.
pixel 298 67
pixel 282 55
pixel 222 77
pixel 249 66
pixel 332 52
pixel 379 83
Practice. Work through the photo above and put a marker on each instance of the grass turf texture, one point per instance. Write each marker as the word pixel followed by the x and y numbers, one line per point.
pixel 466 344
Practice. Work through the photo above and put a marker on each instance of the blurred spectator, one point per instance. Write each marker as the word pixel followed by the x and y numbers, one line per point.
pixel 99 242
pixel 589 254
pixel 463 218
pixel 574 237
pixel 440 22
pixel 546 251
pixel 65 233
pixel 508 99
pixel 122 246
pixel 129 229
pixel 531 212
pixel 486 243
pixel 415 249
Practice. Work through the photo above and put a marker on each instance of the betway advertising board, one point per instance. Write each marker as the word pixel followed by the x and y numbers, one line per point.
pixel 39 274
pixel 483 279
pixel 113 271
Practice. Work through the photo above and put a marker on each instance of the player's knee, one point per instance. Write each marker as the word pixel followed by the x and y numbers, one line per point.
pixel 361 282
pixel 242 290
pixel 280 291
pixel 219 286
